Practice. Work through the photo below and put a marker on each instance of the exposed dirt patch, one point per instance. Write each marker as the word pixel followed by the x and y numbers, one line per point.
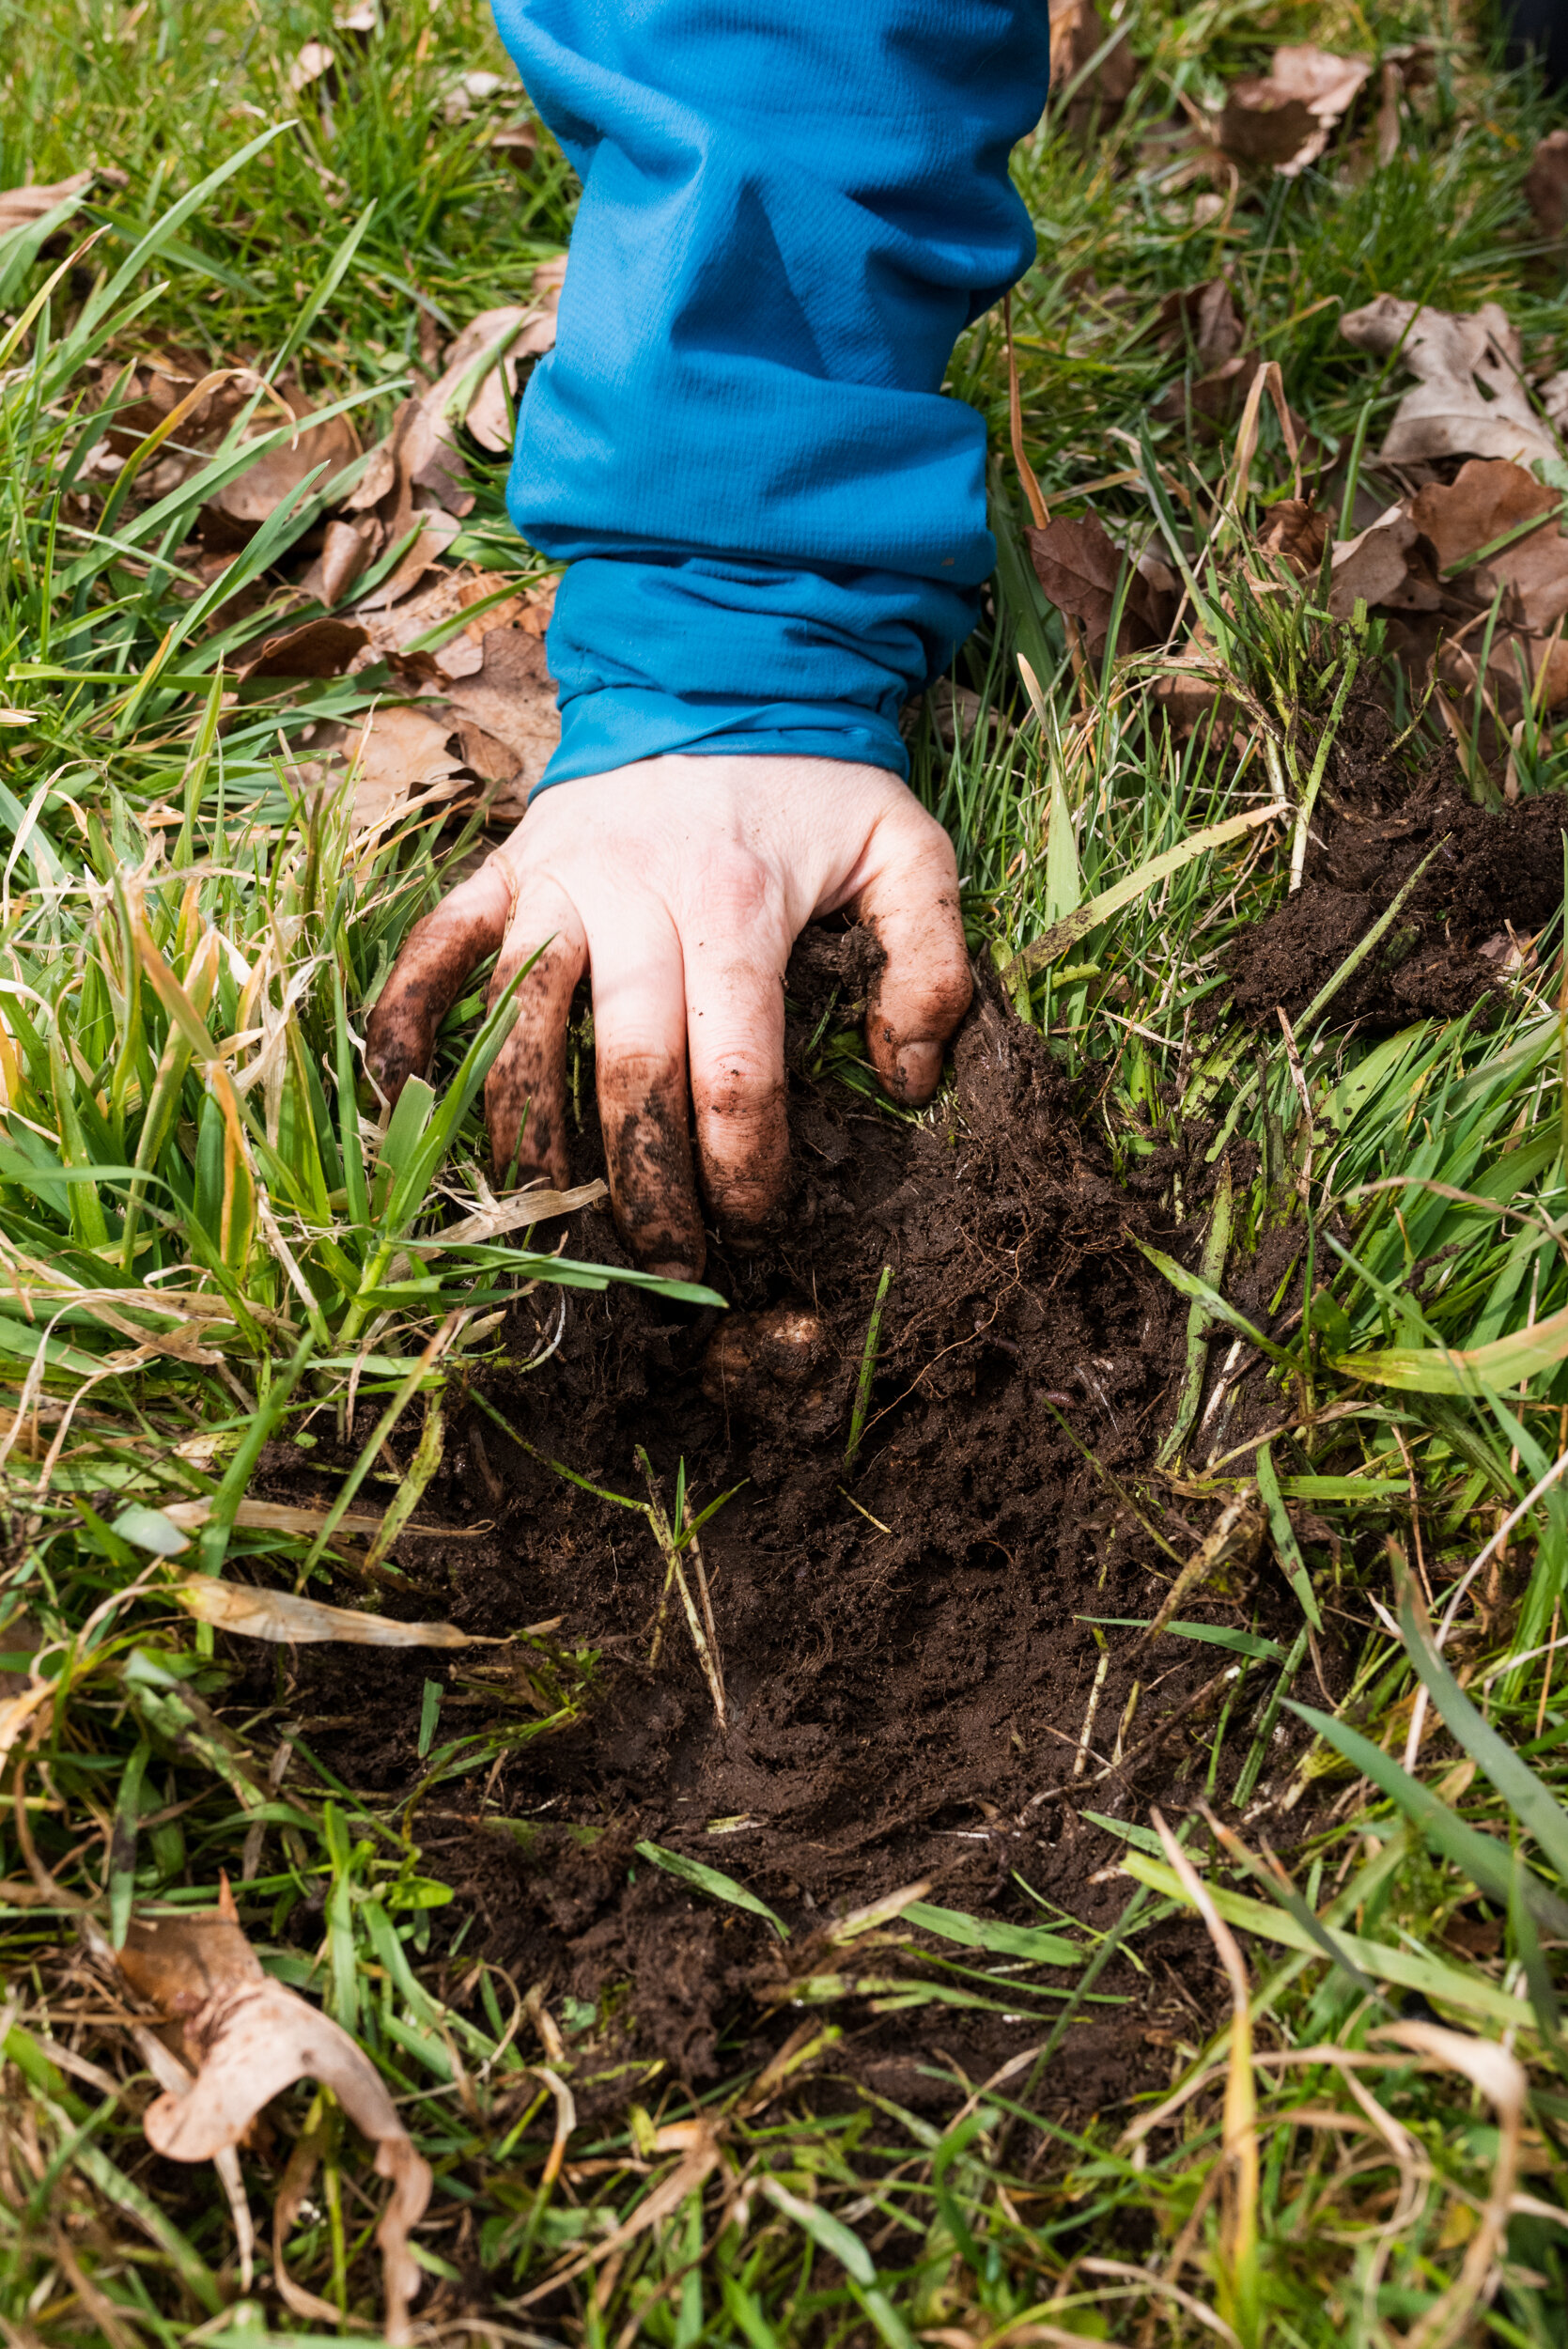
pixel 907 1673
pixel 1489 880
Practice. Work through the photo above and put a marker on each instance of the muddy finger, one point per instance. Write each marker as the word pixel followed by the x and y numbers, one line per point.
pixel 525 1094
pixel 640 1047
pixel 735 1038
pixel 430 975
pixel 923 988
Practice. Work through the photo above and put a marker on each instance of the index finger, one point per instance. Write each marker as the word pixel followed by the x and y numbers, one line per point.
pixel 429 975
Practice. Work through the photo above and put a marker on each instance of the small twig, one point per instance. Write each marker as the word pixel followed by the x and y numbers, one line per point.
pixel 1081 1758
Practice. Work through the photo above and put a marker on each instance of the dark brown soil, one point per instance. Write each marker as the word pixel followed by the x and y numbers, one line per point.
pixel 906 1666
pixel 1491 879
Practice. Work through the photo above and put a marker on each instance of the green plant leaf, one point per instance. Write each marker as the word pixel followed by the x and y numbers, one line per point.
pixel 713 1882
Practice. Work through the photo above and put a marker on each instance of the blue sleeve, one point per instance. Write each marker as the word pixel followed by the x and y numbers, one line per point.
pixel 790 210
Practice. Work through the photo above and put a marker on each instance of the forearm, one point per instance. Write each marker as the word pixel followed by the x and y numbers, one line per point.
pixel 790 210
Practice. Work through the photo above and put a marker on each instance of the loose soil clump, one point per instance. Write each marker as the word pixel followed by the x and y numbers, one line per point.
pixel 908 1670
pixel 1490 878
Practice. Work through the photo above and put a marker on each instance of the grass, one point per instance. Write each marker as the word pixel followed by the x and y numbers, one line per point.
pixel 209 1243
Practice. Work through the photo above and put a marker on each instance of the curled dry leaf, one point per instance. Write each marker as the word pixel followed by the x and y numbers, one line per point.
pixel 243 505
pixel 1545 184
pixel 1470 398
pixel 1296 533
pixel 399 752
pixel 1078 566
pixel 285 1619
pixel 1284 117
pixel 507 721
pixel 314 63
pixel 1486 501
pixel 20 207
pixel 1203 319
pixel 1382 565
pixel 246 2038
pixel 517 145
pixel 316 648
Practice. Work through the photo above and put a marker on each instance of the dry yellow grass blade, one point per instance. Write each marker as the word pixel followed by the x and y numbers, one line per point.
pixel 285 1619
pixel 1240 2228
pixel 284 1516
pixel 1501 2078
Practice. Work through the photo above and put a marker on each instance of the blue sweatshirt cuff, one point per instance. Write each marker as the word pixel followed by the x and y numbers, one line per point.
pixel 791 208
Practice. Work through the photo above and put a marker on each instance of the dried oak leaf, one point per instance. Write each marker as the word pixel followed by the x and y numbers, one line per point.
pixel 397 753
pixel 510 703
pixel 487 357
pixel 1284 117
pixel 1547 184
pixel 1298 534
pixel 243 505
pixel 315 649
pixel 1458 670
pixel 1470 398
pixel 1204 319
pixel 20 207
pixel 347 548
pixel 1382 566
pixel 1078 35
pixel 314 63
pixel 1478 507
pixel 246 2038
pixel 1078 566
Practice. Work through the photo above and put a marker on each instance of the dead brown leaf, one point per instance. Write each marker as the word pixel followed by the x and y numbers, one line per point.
pixel 1078 33
pixel 1486 497
pixel 1204 319
pixel 1486 500
pixel 1284 117
pixel 1296 533
pixel 397 753
pixel 346 551
pixel 314 63
pixel 245 2038
pixel 517 145
pixel 243 503
pixel 1545 184
pixel 511 702
pixel 20 207
pixel 316 648
pixel 1078 566
pixel 1382 566
pixel 1470 399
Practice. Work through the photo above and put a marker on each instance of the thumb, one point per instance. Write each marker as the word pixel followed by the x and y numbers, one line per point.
pixel 923 986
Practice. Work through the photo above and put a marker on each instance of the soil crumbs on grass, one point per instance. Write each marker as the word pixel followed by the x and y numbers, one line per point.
pixel 907 1661
pixel 1484 880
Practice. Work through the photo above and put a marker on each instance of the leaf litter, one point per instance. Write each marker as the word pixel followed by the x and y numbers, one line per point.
pixel 239 2039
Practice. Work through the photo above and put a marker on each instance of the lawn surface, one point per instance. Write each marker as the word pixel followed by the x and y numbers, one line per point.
pixel 216 1249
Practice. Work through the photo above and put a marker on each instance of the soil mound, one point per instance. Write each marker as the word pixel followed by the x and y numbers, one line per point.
pixel 1489 880
pixel 907 1673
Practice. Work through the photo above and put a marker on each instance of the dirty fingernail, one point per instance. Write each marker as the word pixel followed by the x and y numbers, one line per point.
pixel 919 1070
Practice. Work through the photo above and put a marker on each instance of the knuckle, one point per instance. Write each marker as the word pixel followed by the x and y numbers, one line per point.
pixel 731 886
pixel 738 1084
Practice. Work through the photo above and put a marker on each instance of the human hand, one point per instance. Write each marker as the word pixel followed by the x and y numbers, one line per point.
pixel 681 884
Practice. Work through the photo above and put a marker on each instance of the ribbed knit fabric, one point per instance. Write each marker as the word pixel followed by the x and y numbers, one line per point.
pixel 790 210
